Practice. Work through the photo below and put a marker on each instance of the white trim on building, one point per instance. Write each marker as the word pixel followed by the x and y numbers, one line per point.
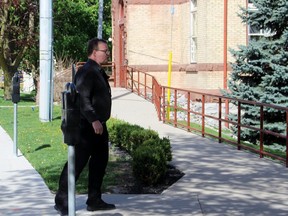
pixel 193 32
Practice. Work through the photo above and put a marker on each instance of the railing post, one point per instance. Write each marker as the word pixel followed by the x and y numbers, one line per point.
pixel 286 138
pixel 156 96
pixel 138 79
pixel 261 131
pixel 125 76
pixel 188 111
pixel 203 115
pixel 226 112
pixel 220 121
pixel 164 105
pixel 154 92
pixel 145 86
pixel 159 98
pixel 114 74
pixel 175 108
pixel 132 80
pixel 238 126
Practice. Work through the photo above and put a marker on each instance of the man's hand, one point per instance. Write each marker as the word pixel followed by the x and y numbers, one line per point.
pixel 98 127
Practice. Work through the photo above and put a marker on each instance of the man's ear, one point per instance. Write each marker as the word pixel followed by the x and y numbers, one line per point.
pixel 94 53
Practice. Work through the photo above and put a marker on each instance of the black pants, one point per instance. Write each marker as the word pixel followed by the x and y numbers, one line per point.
pixel 93 149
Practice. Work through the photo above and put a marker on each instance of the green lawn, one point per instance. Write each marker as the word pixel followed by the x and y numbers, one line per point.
pixel 42 143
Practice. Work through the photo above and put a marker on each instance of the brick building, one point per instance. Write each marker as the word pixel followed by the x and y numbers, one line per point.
pixel 199 33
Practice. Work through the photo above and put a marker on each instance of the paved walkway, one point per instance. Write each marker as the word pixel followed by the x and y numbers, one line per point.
pixel 218 181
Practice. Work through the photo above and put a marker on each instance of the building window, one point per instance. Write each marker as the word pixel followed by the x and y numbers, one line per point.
pixel 250 4
pixel 254 31
pixel 193 36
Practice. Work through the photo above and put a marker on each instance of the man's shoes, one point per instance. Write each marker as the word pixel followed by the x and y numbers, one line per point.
pixel 61 210
pixel 100 205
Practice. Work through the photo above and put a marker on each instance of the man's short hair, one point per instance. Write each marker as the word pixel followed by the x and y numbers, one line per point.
pixel 93 45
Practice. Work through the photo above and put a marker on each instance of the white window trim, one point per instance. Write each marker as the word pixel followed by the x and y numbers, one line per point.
pixel 193 36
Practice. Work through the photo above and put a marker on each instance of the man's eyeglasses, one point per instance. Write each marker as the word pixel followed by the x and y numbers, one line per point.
pixel 107 52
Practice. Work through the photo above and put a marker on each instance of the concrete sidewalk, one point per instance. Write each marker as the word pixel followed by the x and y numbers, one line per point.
pixel 22 190
pixel 219 180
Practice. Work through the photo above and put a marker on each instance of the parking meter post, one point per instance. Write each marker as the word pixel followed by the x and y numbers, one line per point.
pixel 71 180
pixel 71 162
pixel 70 128
pixel 15 137
pixel 15 100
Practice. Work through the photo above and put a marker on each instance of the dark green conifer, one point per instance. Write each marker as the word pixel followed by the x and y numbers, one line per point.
pixel 260 70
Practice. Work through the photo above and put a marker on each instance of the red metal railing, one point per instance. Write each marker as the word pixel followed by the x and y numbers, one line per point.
pixel 109 68
pixel 183 108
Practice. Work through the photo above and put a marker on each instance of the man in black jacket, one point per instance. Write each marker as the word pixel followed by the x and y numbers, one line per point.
pixel 95 108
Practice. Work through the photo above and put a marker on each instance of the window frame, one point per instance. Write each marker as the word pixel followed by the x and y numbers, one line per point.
pixel 260 32
pixel 193 31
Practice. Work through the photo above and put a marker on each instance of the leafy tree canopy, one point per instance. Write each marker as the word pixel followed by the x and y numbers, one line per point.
pixel 75 22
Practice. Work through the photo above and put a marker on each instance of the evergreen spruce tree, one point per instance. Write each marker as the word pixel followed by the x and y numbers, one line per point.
pixel 260 72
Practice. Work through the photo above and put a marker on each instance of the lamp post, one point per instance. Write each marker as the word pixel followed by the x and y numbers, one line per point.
pixel 225 58
pixel 100 19
pixel 46 79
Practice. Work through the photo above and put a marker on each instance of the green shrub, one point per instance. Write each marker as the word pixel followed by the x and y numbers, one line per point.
pixel 112 125
pixel 149 164
pixel 123 133
pixel 119 133
pixel 166 146
pixel 149 152
pixel 138 137
pixel 161 144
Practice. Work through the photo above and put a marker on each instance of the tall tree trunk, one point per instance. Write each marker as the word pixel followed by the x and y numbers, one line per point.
pixel 8 75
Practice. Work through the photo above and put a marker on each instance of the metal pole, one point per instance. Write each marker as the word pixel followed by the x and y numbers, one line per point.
pixel 170 62
pixel 169 84
pixel 100 19
pixel 225 44
pixel 225 58
pixel 45 108
pixel 71 180
pixel 15 149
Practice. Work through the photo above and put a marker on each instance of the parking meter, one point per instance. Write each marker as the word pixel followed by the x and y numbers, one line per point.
pixel 70 115
pixel 16 88
pixel 15 100
pixel 71 131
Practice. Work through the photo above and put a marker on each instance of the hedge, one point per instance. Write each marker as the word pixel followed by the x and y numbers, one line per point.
pixel 150 153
